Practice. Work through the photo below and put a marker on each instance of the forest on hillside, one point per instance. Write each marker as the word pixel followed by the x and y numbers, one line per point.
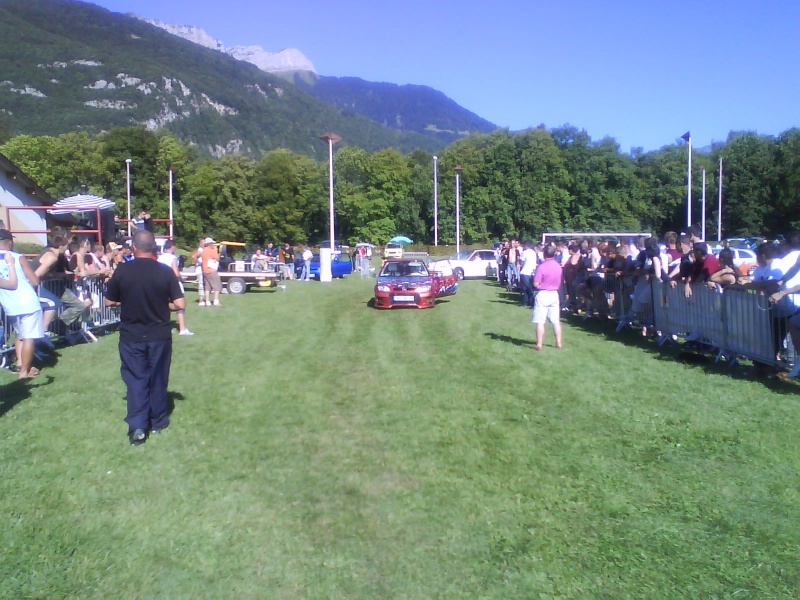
pixel 512 184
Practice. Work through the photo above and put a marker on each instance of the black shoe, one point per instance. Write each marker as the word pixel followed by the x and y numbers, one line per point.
pixel 137 437
pixel 158 430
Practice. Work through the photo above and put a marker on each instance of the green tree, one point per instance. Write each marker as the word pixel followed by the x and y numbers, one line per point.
pixel 751 183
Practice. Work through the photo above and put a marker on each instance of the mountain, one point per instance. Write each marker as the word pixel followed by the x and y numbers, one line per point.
pixel 289 60
pixel 67 65
pixel 402 107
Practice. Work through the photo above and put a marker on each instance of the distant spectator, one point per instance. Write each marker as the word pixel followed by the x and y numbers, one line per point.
pixel 20 303
pixel 529 262
pixel 142 221
pixel 727 271
pixel 169 259
pixel 305 275
pixel 286 256
pixel 258 261
pixel 705 265
pixel 211 280
pixel 547 281
pixel 56 289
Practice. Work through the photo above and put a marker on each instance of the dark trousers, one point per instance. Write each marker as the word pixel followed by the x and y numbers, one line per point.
pixel 527 289
pixel 145 371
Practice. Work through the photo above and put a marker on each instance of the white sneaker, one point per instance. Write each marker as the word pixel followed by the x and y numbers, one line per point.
pixel 216 303
pixel 185 332
pixel 201 303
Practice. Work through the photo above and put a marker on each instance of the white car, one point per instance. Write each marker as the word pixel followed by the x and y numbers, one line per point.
pixel 470 263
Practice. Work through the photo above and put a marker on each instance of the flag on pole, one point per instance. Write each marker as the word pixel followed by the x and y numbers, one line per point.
pixel 685 137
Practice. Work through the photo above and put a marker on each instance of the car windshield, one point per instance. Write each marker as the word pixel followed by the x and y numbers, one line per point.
pixel 393 245
pixel 404 269
pixel 463 255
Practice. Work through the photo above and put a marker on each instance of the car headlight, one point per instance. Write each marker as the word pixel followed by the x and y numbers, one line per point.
pixel 382 288
pixel 423 288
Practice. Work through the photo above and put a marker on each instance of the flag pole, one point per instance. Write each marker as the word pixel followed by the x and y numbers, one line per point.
pixel 719 208
pixel 703 219
pixel 688 138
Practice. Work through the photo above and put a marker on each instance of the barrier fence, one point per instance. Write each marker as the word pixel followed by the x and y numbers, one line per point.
pixel 77 309
pixel 732 322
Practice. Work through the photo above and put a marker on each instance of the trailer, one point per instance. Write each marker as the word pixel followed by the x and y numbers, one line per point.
pixel 238 279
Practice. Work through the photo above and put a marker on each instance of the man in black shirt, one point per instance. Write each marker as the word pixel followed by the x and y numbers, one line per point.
pixel 147 291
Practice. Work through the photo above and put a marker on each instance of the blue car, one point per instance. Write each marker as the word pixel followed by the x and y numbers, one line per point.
pixel 341 266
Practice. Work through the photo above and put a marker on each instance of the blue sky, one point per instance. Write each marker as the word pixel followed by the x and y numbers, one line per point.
pixel 641 71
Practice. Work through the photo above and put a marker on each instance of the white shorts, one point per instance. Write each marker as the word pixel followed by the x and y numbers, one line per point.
pixel 28 327
pixel 546 307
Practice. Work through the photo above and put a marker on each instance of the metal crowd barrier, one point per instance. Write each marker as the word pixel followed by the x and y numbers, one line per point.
pixel 85 320
pixel 732 322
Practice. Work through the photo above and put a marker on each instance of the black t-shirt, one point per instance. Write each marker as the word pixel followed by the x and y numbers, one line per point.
pixel 145 287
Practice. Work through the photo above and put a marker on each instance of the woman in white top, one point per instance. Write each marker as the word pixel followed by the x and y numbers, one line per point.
pixel 168 258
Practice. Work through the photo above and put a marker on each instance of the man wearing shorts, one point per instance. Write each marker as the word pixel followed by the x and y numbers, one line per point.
pixel 211 280
pixel 546 307
pixel 21 305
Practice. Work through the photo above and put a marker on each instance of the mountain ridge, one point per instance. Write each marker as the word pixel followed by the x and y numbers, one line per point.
pixel 73 66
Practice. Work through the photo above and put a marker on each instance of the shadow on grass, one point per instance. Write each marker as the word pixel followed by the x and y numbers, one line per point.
pixel 672 351
pixel 171 398
pixel 18 390
pixel 508 339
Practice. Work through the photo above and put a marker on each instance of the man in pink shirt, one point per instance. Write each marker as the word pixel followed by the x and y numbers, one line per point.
pixel 547 281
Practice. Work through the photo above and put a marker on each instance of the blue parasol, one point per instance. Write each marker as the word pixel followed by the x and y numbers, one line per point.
pixel 400 239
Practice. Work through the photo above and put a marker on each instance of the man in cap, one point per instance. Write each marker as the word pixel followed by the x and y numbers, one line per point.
pixel 147 291
pixel 211 280
pixel 21 305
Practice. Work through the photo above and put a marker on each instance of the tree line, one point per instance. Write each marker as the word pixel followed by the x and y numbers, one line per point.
pixel 512 184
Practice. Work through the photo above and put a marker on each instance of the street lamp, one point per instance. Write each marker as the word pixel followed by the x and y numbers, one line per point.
pixel 171 199
pixel 458 208
pixel 128 162
pixel 435 201
pixel 331 138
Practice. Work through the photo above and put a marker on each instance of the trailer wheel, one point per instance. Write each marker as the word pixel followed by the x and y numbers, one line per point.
pixel 236 285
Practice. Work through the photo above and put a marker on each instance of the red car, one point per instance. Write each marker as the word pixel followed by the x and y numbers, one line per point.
pixel 409 283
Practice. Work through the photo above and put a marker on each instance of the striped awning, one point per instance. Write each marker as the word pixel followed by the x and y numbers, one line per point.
pixel 81 202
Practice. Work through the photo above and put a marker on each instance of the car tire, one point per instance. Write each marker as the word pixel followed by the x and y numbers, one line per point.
pixel 459 273
pixel 236 285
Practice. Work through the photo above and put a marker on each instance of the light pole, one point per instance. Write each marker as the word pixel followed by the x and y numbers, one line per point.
pixel 128 162
pixel 458 208
pixel 435 201
pixel 703 214
pixel 719 208
pixel 331 138
pixel 171 229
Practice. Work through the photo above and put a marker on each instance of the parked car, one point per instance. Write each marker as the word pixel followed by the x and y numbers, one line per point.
pixel 393 250
pixel 341 266
pixel 471 263
pixel 410 283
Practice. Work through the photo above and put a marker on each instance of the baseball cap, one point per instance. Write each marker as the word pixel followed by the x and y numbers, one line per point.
pixel 5 234
pixel 209 240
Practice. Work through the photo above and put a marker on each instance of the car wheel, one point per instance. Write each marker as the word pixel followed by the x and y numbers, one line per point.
pixel 236 285
pixel 459 273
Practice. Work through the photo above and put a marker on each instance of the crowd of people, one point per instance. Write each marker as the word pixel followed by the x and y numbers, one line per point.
pixel 67 278
pixel 680 260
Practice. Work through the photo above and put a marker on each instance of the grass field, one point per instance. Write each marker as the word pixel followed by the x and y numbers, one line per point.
pixel 322 449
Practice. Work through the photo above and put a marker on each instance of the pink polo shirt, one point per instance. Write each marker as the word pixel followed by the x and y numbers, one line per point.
pixel 548 275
